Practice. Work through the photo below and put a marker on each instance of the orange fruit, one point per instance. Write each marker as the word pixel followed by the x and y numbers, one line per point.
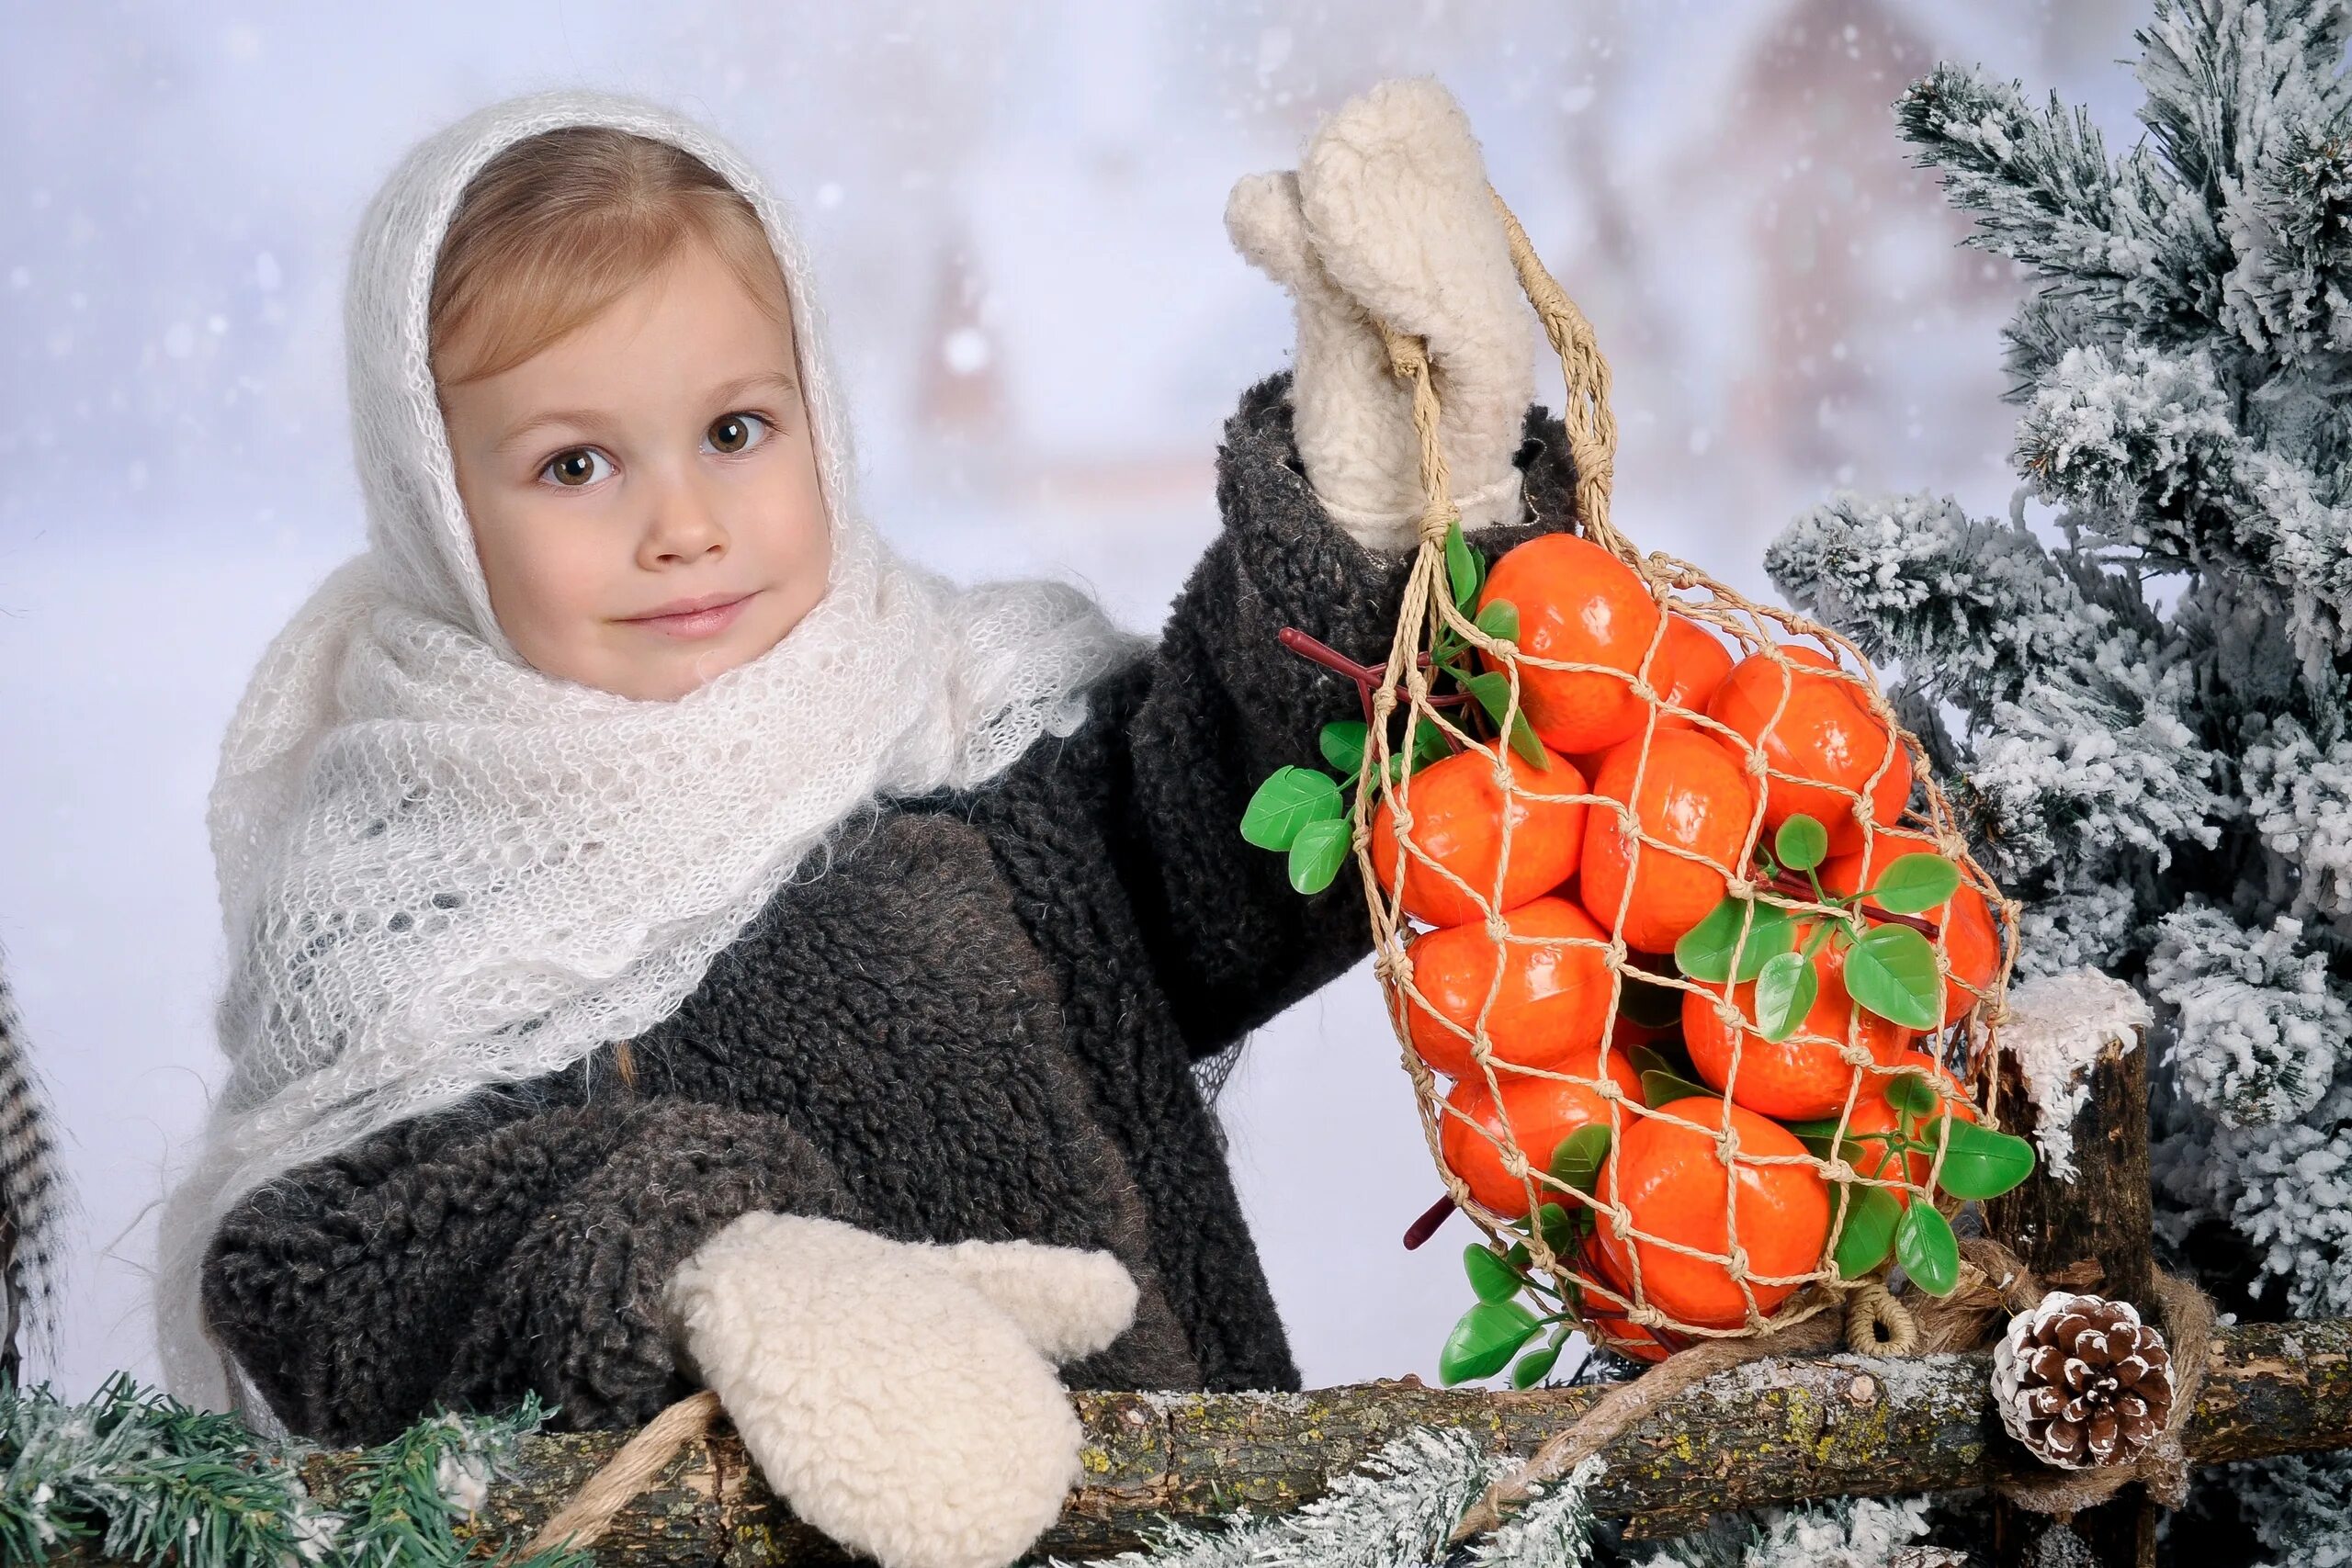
pixel 1801 1077
pixel 1458 808
pixel 1578 603
pixel 1539 1113
pixel 1696 662
pixel 1965 923
pixel 1672 1183
pixel 1874 1114
pixel 1604 1322
pixel 1825 739
pixel 1553 1002
pixel 1693 798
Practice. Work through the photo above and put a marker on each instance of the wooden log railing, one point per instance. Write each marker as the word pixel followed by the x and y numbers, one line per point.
pixel 1770 1432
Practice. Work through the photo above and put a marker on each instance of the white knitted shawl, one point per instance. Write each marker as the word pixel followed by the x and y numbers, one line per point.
pixel 440 868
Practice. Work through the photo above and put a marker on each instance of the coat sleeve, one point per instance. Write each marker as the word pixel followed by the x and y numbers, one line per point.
pixel 512 1244
pixel 1177 743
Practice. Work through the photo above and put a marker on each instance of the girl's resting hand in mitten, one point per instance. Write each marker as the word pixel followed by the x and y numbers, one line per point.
pixel 900 1396
pixel 1390 216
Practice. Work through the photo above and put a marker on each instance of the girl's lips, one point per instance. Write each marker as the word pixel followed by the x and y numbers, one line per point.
pixel 698 624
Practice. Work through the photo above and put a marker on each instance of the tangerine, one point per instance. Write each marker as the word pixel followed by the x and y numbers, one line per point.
pixel 1964 923
pixel 1693 798
pixel 1804 1074
pixel 1696 662
pixel 1829 744
pixel 1552 1001
pixel 1533 1115
pixel 1578 603
pixel 1671 1182
pixel 1605 1323
pixel 1874 1114
pixel 1458 808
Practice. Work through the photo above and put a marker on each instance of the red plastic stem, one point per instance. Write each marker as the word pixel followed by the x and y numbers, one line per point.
pixel 1368 678
pixel 1798 887
pixel 1420 1230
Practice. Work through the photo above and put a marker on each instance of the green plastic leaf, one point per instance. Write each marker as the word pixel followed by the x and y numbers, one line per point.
pixel 1559 1231
pixel 1892 971
pixel 1785 989
pixel 1871 1215
pixel 1500 620
pixel 1286 803
pixel 1464 570
pixel 1924 1245
pixel 1343 745
pixel 1916 883
pixel 1911 1093
pixel 1815 1135
pixel 1493 691
pixel 1484 1340
pixel 1979 1162
pixel 1705 951
pixel 1651 1003
pixel 1534 1366
pixel 1518 1257
pixel 1429 745
pixel 1576 1160
pixel 1660 1088
pixel 1802 843
pixel 1319 852
pixel 1494 1280
pixel 1649 1059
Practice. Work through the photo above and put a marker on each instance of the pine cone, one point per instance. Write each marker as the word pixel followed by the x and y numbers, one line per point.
pixel 2082 1382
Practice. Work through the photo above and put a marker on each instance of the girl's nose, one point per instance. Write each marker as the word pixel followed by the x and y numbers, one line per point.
pixel 683 525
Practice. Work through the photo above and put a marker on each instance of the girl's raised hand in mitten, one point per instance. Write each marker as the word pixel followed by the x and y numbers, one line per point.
pixel 900 1396
pixel 1390 216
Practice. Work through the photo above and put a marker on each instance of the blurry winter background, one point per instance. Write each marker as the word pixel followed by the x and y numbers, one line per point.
pixel 1016 216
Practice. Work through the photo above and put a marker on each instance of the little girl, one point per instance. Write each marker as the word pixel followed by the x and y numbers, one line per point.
pixel 675 943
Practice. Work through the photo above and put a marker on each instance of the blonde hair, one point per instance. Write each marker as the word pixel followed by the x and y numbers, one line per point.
pixel 558 225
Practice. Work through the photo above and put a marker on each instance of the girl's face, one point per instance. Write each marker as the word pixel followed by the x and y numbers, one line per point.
pixel 657 456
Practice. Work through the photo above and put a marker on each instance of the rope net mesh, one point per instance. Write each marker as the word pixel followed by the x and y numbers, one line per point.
pixel 1658 1265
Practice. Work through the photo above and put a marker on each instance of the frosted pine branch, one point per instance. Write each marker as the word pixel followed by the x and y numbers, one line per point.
pixel 2122 239
pixel 2257 1021
pixel 1968 605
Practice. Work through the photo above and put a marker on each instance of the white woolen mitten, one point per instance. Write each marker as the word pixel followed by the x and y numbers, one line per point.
pixel 899 1395
pixel 1389 216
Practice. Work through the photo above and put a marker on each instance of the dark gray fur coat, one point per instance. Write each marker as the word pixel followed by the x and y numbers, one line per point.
pixel 979 1020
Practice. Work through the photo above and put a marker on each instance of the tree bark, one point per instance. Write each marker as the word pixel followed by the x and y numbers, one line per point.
pixel 1771 1432
pixel 2104 1215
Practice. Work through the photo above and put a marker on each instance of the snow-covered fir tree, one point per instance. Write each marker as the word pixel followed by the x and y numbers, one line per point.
pixel 2142 705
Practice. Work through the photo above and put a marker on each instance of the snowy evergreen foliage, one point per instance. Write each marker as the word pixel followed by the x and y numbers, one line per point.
pixel 1395 1510
pixel 1848 1532
pixel 141 1477
pixel 2145 719
pixel 2304 1501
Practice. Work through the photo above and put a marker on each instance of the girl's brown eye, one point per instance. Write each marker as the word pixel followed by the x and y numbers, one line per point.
pixel 735 433
pixel 574 469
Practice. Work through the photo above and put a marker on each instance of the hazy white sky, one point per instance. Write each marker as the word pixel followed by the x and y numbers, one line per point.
pixel 1028 193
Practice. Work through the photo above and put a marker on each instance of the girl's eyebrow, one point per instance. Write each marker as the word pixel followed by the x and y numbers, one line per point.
pixel 594 420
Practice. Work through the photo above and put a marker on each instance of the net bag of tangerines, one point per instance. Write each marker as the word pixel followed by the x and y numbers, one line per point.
pixel 1695 975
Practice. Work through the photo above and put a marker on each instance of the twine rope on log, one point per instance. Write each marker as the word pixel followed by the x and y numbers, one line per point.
pixel 628 1472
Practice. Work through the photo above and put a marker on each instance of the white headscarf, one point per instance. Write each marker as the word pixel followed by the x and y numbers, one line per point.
pixel 441 868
